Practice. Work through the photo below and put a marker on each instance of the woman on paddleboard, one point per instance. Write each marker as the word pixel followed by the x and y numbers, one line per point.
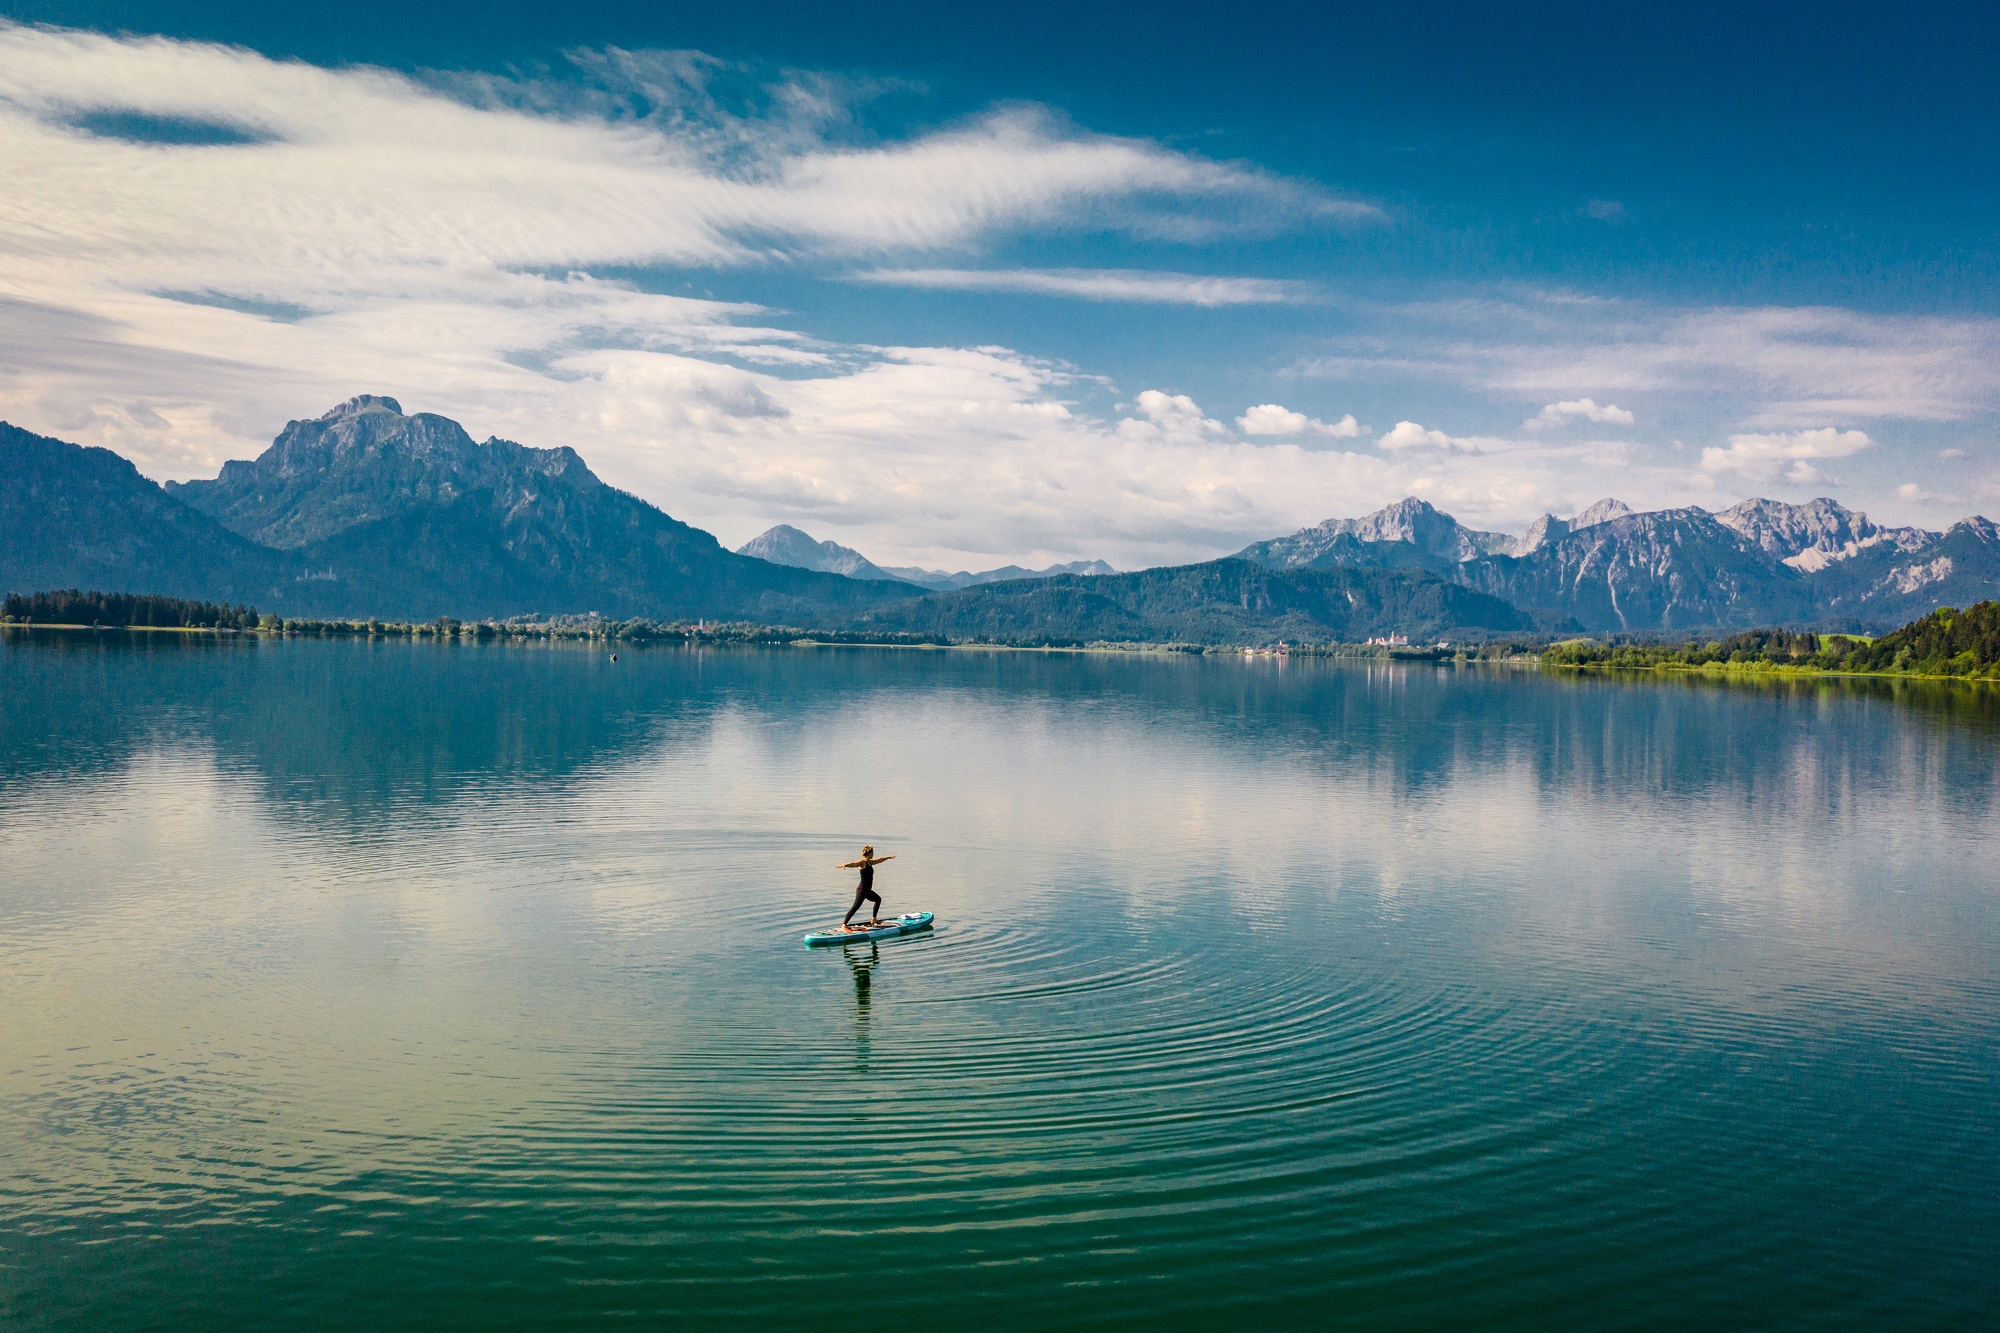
pixel 866 888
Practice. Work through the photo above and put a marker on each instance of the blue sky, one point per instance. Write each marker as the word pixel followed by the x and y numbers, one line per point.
pixel 1037 283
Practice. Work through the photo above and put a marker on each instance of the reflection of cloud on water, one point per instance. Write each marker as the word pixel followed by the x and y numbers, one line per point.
pixel 315 900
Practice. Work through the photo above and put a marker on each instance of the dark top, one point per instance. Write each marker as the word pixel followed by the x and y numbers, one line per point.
pixel 867 878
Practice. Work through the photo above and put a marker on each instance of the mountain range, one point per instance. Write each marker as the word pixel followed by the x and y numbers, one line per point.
pixel 366 510
pixel 786 545
pixel 1220 602
pixel 1760 562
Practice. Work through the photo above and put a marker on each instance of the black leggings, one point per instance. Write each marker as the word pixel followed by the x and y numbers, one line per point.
pixel 861 895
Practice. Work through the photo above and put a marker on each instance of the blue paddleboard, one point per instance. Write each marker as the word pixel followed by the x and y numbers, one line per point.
pixel 900 925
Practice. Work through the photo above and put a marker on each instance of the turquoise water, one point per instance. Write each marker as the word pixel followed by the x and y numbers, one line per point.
pixel 397 985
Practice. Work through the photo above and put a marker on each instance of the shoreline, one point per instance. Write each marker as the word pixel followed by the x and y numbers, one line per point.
pixel 1765 669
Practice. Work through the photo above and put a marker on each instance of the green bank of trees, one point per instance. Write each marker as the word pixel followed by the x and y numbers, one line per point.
pixel 73 607
pixel 1947 642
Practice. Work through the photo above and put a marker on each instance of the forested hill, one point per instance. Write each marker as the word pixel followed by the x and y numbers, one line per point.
pixel 77 517
pixel 1224 601
pixel 1947 642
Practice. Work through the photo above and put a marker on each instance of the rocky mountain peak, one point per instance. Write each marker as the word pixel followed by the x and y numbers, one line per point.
pixel 1813 535
pixel 787 545
pixel 363 403
pixel 1602 512
pixel 365 461
pixel 1409 520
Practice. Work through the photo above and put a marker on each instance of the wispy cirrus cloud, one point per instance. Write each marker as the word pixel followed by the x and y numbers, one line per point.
pixel 1770 367
pixel 333 180
pixel 1101 285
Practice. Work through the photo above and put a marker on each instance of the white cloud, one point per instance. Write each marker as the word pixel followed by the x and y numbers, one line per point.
pixel 1953 453
pixel 1767 368
pixel 1271 419
pixel 1100 285
pixel 1560 414
pixel 1912 493
pixel 436 239
pixel 364 181
pixel 1408 436
pixel 1785 457
pixel 1790 367
pixel 1171 416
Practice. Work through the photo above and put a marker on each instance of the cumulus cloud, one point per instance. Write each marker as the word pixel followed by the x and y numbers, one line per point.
pixel 1578 409
pixel 1271 419
pixel 1172 416
pixel 1786 457
pixel 1408 436
pixel 1912 493
pixel 1100 285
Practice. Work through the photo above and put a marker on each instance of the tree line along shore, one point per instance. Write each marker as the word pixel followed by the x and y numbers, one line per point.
pixel 1947 643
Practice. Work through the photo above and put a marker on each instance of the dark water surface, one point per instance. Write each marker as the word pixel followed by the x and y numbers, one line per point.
pixel 396 985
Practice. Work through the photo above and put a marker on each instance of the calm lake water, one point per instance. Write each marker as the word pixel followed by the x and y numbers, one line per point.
pixel 397 985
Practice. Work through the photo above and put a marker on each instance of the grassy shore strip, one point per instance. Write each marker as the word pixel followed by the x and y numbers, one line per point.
pixel 1783 670
pixel 1948 644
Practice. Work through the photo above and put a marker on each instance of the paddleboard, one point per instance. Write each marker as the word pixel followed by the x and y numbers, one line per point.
pixel 895 925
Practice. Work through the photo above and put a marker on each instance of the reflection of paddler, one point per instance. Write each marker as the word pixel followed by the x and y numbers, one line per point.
pixel 865 890
pixel 863 974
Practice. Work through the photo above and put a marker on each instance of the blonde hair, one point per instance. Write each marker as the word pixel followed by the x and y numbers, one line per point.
pixel 867 851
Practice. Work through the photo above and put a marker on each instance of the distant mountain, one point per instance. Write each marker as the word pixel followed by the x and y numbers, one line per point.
pixel 786 545
pixel 366 511
pixel 1414 522
pixel 1225 601
pixel 1602 512
pixel 1890 581
pixel 1548 528
pixel 1812 536
pixel 940 581
pixel 1672 569
pixel 1760 562
pixel 72 517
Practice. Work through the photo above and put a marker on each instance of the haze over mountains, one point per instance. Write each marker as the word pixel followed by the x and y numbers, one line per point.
pixel 365 510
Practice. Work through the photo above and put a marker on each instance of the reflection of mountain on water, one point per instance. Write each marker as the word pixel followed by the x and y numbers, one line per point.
pixel 343 730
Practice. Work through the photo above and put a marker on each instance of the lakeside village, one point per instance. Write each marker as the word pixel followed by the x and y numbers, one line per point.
pixel 1386 641
pixel 1948 643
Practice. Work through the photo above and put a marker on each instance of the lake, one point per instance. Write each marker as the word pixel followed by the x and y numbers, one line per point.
pixel 404 985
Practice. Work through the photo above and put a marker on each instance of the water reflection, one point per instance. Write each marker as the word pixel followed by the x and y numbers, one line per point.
pixel 464 986
pixel 863 968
